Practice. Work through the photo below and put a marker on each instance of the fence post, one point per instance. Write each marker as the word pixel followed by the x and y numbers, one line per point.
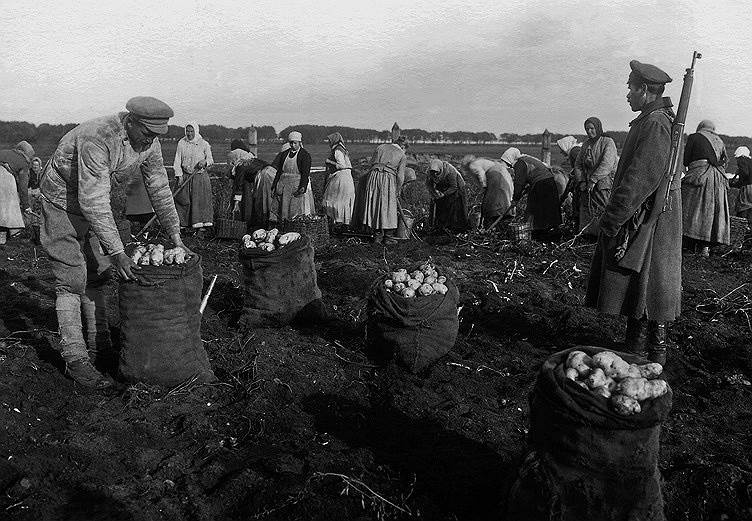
pixel 546 147
pixel 253 140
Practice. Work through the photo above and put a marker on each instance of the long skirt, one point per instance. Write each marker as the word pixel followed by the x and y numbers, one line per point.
pixel 592 205
pixel 705 209
pixel 264 203
pixel 11 217
pixel 359 209
pixel 289 205
pixel 451 212
pixel 743 206
pixel 380 211
pixel 194 203
pixel 543 204
pixel 339 197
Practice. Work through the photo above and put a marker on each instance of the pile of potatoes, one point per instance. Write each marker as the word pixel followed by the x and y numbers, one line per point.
pixel 268 240
pixel 422 282
pixel 625 385
pixel 156 255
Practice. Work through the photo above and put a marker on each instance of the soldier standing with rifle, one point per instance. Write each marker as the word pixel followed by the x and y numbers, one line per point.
pixel 636 268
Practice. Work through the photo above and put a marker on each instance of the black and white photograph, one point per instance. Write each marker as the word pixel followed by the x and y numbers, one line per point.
pixel 376 260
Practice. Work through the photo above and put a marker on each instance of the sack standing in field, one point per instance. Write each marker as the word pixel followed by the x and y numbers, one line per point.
pixel 160 329
pixel 595 424
pixel 279 279
pixel 413 317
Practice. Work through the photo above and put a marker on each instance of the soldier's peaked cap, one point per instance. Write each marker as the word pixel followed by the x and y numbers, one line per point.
pixel 646 73
pixel 153 113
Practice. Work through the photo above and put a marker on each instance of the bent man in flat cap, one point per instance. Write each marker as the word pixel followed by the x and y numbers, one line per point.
pixel 636 269
pixel 79 231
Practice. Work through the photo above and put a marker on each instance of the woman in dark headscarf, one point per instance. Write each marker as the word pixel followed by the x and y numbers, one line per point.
pixel 705 209
pixel 447 189
pixel 339 189
pixel 594 171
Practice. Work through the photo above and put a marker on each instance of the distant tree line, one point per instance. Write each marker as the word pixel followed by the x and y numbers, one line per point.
pixel 14 131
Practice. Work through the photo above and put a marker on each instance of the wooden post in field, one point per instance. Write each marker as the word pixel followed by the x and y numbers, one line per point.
pixel 253 140
pixel 546 147
pixel 395 132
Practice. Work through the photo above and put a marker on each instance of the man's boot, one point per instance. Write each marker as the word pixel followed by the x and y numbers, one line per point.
pixel 94 310
pixel 636 337
pixel 657 342
pixel 72 344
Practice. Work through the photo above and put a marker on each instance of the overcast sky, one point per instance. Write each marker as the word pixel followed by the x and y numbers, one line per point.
pixel 496 65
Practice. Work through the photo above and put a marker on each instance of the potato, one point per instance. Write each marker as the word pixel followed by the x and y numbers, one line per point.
pixel 426 266
pixel 441 280
pixel 439 288
pixel 417 275
pixel 641 389
pixel 267 246
pixel 271 236
pixel 425 290
pixel 145 259
pixel 650 371
pixel 388 283
pixel 138 253
pixel 398 287
pixel 602 391
pixel 413 284
pixel 259 235
pixel 408 293
pixel 634 371
pixel 581 361
pixel 429 280
pixel 625 405
pixel 169 256
pixel 597 378
pixel 179 256
pixel 612 364
pixel 288 237
pixel 572 374
pixel 400 276
pixel 157 256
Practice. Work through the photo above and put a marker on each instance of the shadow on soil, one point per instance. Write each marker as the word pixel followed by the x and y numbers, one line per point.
pixel 461 475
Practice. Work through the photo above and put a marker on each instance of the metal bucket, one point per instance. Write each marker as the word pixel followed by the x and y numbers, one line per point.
pixel 405 225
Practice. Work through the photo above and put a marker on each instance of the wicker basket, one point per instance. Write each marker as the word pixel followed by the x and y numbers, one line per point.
pixel 230 229
pixel 317 229
pixel 518 231
pixel 739 229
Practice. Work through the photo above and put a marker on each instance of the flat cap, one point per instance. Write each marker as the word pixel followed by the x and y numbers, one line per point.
pixel 647 73
pixel 153 113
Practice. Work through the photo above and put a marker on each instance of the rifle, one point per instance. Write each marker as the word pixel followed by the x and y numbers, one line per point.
pixel 631 255
pixel 677 129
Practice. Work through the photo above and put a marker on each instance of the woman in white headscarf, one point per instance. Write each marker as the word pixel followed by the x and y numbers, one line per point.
pixel 292 183
pixel 497 184
pixel 533 176
pixel 743 181
pixel 14 188
pixel 194 203
pixel 705 210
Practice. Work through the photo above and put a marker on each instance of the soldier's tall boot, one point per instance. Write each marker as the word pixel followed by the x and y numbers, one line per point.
pixel 657 342
pixel 636 337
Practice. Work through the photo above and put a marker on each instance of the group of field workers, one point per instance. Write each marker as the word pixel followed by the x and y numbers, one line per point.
pixel 636 268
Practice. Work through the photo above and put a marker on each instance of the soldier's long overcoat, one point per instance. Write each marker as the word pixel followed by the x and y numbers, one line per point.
pixel 647 280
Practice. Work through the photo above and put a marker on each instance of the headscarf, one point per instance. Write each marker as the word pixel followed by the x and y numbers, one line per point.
pixel 295 136
pixel 566 144
pixel 197 136
pixel 335 139
pixel 706 125
pixel 511 155
pixel 598 128
pixel 239 144
pixel 741 152
pixel 25 149
pixel 436 165
pixel 38 159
